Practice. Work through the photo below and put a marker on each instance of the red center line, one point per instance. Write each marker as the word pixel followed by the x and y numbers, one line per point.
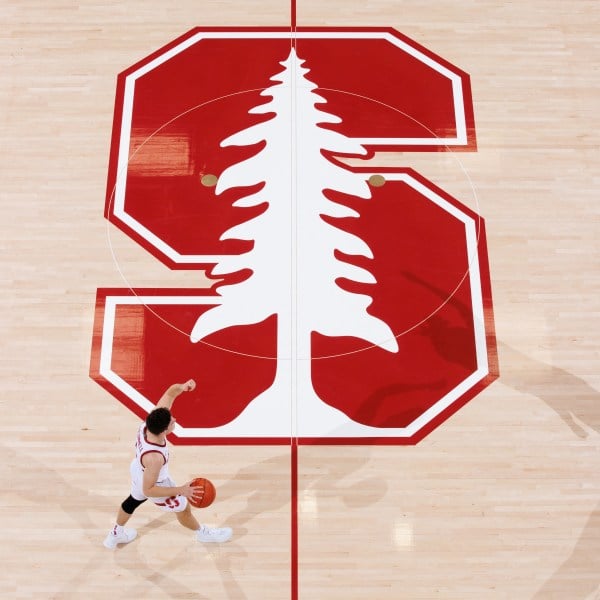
pixel 294 440
pixel 294 500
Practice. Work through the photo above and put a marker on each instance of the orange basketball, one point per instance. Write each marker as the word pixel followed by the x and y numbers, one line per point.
pixel 206 499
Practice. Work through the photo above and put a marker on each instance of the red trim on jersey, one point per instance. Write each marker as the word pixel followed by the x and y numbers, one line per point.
pixel 150 452
pixel 152 443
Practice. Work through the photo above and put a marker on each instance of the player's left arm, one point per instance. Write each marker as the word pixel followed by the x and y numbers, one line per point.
pixel 167 399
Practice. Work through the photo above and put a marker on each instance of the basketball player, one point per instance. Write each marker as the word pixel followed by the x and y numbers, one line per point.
pixel 150 477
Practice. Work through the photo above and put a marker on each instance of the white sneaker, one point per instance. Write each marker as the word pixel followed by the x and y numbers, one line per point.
pixel 213 534
pixel 114 538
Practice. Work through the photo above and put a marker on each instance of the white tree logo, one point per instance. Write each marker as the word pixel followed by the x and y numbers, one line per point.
pixel 293 262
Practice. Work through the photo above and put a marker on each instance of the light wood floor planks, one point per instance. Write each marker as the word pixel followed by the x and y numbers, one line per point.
pixel 501 502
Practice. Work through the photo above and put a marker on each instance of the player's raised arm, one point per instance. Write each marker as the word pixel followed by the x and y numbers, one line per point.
pixel 167 399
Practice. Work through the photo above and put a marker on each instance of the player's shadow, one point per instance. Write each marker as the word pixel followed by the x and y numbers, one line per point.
pixel 324 479
pixel 327 479
pixel 130 558
pixel 253 482
pixel 80 505
pixel 384 397
pixel 30 475
pixel 574 576
pixel 572 398
pixel 574 401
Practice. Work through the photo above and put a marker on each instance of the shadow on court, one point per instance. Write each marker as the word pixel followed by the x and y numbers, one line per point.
pixel 80 506
pixel 578 405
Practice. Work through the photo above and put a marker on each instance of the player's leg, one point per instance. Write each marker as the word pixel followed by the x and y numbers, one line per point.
pixel 183 511
pixel 120 534
pixel 203 533
pixel 122 516
pixel 187 519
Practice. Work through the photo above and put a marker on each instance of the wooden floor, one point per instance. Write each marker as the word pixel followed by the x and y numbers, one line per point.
pixel 501 501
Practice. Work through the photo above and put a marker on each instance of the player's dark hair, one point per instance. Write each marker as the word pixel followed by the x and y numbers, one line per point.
pixel 158 420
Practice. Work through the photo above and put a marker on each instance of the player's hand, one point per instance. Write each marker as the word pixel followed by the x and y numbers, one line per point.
pixel 188 386
pixel 190 491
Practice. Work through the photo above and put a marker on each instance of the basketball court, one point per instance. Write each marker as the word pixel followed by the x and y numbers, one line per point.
pixel 443 443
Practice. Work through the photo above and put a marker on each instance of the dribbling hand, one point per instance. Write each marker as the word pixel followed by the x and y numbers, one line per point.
pixel 190 491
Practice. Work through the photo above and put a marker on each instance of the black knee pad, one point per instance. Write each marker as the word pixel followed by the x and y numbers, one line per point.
pixel 130 504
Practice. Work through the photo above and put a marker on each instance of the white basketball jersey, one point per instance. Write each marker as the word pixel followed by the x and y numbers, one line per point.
pixel 143 446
